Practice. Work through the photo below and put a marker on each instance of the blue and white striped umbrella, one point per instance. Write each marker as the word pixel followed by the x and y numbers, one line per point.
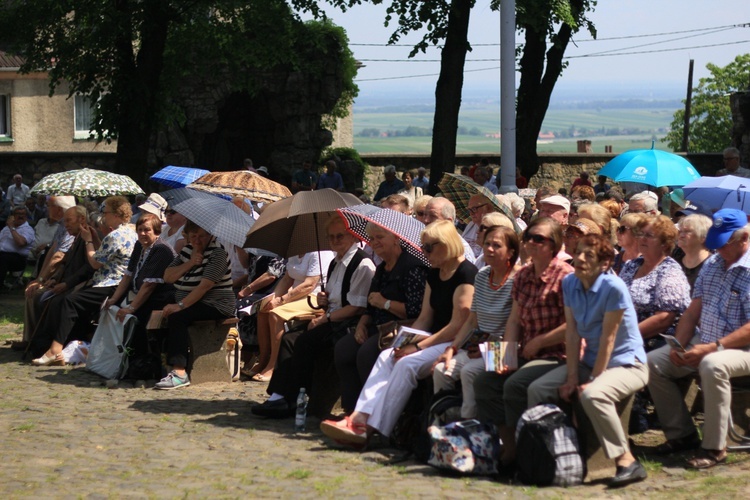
pixel 217 216
pixel 406 228
pixel 178 177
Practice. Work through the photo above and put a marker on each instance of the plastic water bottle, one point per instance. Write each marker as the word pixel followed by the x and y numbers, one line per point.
pixel 301 416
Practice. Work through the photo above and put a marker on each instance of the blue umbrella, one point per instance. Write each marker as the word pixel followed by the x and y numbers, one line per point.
pixel 728 191
pixel 178 177
pixel 650 166
pixel 217 216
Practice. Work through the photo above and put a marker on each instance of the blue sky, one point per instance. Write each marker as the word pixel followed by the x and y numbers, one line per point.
pixel 688 21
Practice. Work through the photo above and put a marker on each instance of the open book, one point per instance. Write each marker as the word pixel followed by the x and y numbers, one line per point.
pixel 255 306
pixel 499 354
pixel 407 335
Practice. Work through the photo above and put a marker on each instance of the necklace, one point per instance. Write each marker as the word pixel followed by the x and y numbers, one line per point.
pixel 497 286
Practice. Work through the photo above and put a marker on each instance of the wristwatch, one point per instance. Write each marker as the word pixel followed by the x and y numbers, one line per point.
pixel 719 346
pixel 182 306
pixel 387 305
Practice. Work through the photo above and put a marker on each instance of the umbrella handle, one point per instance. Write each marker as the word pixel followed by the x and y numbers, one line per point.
pixel 310 303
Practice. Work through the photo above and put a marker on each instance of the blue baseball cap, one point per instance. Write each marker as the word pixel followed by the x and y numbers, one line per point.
pixel 726 222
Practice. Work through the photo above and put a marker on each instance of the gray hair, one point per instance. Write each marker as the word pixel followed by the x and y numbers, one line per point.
pixel 698 223
pixel 389 169
pixel 649 201
pixel 732 151
pixel 447 209
pixel 517 204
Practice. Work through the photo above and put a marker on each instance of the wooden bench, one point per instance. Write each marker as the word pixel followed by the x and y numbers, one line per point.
pixel 207 360
pixel 598 466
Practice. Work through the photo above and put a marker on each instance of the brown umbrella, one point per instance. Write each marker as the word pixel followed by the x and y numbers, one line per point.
pixel 242 183
pixel 459 189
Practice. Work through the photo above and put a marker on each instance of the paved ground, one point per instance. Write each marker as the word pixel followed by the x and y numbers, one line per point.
pixel 66 435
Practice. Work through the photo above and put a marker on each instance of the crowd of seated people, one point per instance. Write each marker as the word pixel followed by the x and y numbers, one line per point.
pixel 587 296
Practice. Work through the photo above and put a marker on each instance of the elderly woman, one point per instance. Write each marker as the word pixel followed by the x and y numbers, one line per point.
pixel 479 205
pixel 537 322
pixel 142 288
pixel 172 231
pixel 302 279
pixel 602 217
pixel 659 288
pixel 68 311
pixel 445 308
pixel 203 290
pixel 629 226
pixel 691 239
pixel 420 207
pixel 578 229
pixel 490 309
pixel 599 310
pixel 395 294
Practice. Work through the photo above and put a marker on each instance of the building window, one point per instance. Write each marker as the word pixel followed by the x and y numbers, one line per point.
pixel 4 116
pixel 84 116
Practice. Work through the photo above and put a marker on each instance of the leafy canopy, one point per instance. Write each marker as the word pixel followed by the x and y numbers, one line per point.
pixel 710 115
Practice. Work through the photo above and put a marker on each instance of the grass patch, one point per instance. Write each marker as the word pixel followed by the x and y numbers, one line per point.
pixel 326 487
pixel 24 427
pixel 299 474
pixel 651 466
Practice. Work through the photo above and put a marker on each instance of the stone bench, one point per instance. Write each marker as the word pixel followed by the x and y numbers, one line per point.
pixel 598 466
pixel 207 361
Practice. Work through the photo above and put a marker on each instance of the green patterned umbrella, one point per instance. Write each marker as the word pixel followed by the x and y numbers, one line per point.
pixel 459 188
pixel 86 182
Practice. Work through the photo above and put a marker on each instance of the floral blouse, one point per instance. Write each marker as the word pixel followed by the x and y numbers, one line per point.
pixel 664 289
pixel 114 254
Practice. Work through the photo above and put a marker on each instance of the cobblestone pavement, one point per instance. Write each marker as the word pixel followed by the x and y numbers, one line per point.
pixel 66 435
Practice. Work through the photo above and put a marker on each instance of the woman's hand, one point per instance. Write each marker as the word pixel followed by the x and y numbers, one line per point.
pixel 405 351
pixel 316 321
pixel 196 258
pixel 444 358
pixel 124 311
pixel 273 303
pixel 360 334
pixel 376 299
pixel 110 303
pixel 85 232
pixel 531 349
pixel 567 391
pixel 170 309
pixel 245 292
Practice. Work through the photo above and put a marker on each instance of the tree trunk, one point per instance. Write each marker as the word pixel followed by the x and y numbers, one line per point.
pixel 139 85
pixel 535 90
pixel 448 91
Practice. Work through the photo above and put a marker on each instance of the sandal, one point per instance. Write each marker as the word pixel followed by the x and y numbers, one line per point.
pixel 351 433
pixel 707 459
pixel 687 443
pixel 259 377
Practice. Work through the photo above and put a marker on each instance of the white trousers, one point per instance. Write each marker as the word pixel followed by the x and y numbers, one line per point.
pixel 390 384
pixel 465 369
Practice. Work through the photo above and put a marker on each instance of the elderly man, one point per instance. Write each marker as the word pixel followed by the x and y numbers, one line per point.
pixel 555 207
pixel 16 242
pixel 61 239
pixel 331 179
pixel 348 283
pixel 479 205
pixel 731 164
pixel 644 202
pixel 18 191
pixel 483 177
pixel 391 184
pixel 715 330
pixel 443 209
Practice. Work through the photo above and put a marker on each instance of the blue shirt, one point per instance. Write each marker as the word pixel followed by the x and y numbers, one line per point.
pixel 608 293
pixel 725 297
pixel 423 183
pixel 334 181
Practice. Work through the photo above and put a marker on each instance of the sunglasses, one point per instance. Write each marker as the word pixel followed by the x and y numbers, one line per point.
pixel 473 210
pixel 623 229
pixel 536 238
pixel 429 247
pixel 170 212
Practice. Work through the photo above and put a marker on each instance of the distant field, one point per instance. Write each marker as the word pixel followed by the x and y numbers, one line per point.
pixel 488 121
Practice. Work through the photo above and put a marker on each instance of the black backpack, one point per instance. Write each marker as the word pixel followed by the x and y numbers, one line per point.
pixel 548 451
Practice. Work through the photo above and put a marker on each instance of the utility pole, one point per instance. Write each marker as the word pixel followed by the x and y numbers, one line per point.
pixel 508 96
pixel 688 102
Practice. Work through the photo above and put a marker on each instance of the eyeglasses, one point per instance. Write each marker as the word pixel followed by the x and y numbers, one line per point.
pixel 536 238
pixel 170 212
pixel 473 210
pixel 336 237
pixel 623 229
pixel 647 236
pixel 420 214
pixel 429 247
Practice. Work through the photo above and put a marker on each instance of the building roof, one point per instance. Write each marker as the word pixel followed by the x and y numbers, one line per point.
pixel 10 61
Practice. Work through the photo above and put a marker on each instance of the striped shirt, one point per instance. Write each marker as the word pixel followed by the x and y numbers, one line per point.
pixel 492 307
pixel 540 302
pixel 725 297
pixel 215 267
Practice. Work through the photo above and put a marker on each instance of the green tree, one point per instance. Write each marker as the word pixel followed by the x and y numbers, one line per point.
pixel 710 115
pixel 130 56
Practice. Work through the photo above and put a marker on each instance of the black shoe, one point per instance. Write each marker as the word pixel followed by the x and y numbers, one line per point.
pixel 630 474
pixel 272 409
